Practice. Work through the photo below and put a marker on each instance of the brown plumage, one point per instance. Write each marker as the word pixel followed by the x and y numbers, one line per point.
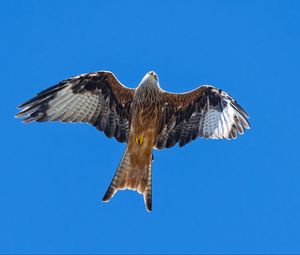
pixel 144 118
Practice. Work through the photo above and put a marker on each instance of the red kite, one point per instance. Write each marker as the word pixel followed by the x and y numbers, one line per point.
pixel 144 118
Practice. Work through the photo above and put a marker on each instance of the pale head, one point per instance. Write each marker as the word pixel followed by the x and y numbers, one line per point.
pixel 150 78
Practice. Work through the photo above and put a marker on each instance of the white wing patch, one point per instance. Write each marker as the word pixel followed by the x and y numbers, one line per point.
pixel 211 122
pixel 225 124
pixel 68 107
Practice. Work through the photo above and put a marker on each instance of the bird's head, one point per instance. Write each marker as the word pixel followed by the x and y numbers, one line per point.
pixel 150 78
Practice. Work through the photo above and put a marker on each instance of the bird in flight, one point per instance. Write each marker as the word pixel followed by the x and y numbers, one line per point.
pixel 145 118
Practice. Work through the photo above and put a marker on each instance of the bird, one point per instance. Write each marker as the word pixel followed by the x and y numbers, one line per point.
pixel 144 118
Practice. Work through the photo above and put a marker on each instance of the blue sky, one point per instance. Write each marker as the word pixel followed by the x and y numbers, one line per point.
pixel 240 196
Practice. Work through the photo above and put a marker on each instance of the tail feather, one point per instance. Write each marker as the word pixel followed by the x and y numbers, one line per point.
pixel 119 178
pixel 128 177
pixel 148 189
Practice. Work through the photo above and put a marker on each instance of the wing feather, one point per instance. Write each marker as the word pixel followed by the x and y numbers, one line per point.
pixel 205 112
pixel 96 98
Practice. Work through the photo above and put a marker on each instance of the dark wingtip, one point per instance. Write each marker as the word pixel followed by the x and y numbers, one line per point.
pixel 20 115
pixel 28 102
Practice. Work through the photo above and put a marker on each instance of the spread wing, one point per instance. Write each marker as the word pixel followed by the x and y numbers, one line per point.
pixel 96 98
pixel 205 112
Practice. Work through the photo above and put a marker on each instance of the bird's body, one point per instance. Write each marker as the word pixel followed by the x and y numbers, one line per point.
pixel 137 174
pixel 145 118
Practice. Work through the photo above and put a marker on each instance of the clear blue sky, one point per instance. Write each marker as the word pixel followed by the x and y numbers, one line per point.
pixel 209 196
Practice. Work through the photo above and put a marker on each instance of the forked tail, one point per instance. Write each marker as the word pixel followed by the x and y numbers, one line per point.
pixel 132 177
